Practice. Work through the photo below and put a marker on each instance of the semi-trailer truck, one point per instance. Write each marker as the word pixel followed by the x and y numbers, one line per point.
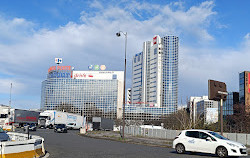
pixel 49 118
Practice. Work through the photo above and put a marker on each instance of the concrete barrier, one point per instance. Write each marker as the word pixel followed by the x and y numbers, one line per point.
pixel 232 136
pixel 248 139
pixel 171 134
pixel 22 147
pixel 241 138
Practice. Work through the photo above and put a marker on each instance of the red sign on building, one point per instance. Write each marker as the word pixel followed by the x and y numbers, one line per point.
pixel 155 40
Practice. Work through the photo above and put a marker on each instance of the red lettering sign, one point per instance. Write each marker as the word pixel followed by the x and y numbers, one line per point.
pixel 53 68
pixel 154 40
pixel 29 118
pixel 63 67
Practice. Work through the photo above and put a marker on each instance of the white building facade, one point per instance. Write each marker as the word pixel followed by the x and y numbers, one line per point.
pixel 208 110
pixel 155 74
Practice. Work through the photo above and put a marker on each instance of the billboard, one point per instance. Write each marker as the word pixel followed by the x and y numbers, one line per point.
pixel 98 75
pixel 212 115
pixel 25 116
pixel 217 90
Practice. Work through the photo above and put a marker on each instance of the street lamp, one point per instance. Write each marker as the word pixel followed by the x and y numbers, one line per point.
pixel 118 34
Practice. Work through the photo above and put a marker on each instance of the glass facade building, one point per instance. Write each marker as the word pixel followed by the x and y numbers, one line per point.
pixel 93 93
pixel 228 105
pixel 155 77
pixel 244 90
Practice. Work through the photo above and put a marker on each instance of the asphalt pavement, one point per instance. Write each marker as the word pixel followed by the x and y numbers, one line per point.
pixel 73 145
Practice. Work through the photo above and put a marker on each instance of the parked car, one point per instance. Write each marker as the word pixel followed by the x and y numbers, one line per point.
pixel 32 127
pixel 3 136
pixel 204 141
pixel 60 128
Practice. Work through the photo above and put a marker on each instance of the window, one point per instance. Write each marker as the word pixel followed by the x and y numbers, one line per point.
pixel 205 136
pixel 155 51
pixel 193 134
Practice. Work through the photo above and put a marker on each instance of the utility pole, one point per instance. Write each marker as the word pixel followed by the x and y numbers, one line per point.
pixel 10 94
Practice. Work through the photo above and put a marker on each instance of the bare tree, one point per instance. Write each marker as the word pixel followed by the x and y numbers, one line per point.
pixel 181 120
pixel 65 107
pixel 239 121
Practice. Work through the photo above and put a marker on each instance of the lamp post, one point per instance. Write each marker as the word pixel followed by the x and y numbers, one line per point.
pixel 118 34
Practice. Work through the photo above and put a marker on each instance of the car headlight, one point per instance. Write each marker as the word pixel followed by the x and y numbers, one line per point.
pixel 233 145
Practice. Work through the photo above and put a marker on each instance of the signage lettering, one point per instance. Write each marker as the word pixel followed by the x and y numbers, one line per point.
pixel 54 68
pixel 71 117
pixel 82 75
pixel 154 40
pixel 56 74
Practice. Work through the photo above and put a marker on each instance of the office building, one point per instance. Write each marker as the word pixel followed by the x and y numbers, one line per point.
pixel 207 110
pixel 230 103
pixel 244 90
pixel 93 93
pixel 192 106
pixel 155 76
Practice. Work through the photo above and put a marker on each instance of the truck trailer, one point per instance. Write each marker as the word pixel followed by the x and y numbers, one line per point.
pixel 17 117
pixel 49 118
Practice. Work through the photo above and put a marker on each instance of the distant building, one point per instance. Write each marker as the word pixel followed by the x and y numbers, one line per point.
pixel 244 90
pixel 192 106
pixel 208 110
pixel 229 104
pixel 202 107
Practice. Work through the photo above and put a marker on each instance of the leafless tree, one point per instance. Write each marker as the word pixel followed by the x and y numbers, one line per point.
pixel 181 120
pixel 239 121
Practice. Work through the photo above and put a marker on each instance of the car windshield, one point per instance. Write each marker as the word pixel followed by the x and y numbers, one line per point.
pixel 71 124
pixel 61 125
pixel 218 136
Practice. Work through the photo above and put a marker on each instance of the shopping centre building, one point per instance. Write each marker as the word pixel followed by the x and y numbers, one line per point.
pixel 93 93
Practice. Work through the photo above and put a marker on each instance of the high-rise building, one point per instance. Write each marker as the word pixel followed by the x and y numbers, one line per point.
pixel 155 74
pixel 244 90
pixel 93 93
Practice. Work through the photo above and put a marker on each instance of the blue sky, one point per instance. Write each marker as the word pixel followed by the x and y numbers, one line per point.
pixel 214 40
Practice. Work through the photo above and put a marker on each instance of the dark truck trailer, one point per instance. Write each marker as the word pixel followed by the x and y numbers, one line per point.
pixel 22 117
pixel 100 123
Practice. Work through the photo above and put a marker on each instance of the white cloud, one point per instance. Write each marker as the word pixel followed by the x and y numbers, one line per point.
pixel 93 41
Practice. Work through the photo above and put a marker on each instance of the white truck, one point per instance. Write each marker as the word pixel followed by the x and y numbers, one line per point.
pixel 49 118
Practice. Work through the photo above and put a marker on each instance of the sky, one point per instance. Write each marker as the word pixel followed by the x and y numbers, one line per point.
pixel 214 40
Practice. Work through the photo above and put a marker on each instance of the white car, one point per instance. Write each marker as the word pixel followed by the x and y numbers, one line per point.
pixel 207 142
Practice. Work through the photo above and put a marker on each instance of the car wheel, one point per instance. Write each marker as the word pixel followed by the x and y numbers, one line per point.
pixel 222 151
pixel 180 149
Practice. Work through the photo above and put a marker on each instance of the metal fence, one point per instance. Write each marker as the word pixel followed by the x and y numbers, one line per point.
pixel 171 134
